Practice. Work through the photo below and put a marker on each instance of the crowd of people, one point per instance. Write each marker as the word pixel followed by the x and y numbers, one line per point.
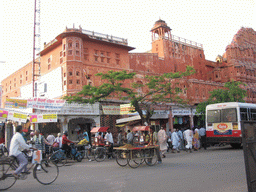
pixel 188 140
pixel 174 141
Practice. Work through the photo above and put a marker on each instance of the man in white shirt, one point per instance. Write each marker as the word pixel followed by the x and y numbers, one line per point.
pixel 17 145
pixel 188 136
pixel 109 139
pixel 50 138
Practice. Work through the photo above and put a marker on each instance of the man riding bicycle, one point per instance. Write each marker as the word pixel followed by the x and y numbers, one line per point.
pixel 17 145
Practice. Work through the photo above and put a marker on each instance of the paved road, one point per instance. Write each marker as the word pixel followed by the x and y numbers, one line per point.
pixel 214 170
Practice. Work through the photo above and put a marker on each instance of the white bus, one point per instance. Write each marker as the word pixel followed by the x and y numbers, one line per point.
pixel 223 122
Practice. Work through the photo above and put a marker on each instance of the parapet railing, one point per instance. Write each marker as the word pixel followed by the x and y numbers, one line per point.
pixel 105 37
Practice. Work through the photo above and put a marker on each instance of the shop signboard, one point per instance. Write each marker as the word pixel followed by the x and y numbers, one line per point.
pixel 43 118
pixel 183 111
pixel 111 110
pixel 45 104
pixel 126 109
pixel 80 109
pixel 19 117
pixel 3 113
pixel 16 103
pixel 160 114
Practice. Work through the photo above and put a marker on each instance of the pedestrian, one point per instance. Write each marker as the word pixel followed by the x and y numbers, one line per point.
pixel 57 142
pixel 120 138
pixel 162 139
pixel 32 135
pixel 40 142
pixel 50 138
pixel 17 145
pixel 180 134
pixel 151 141
pixel 109 141
pixel 188 136
pixel 86 136
pixel 196 140
pixel 169 140
pixel 155 137
pixel 175 141
pixel 202 133
pixel 129 137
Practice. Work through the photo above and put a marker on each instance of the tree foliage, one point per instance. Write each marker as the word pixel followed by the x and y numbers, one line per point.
pixel 153 90
pixel 232 93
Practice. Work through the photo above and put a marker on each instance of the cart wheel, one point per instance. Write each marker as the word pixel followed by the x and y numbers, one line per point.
pixel 121 158
pixel 100 154
pixel 150 157
pixel 135 159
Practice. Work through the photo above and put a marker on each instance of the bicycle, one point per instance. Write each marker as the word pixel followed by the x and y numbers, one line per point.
pixel 59 157
pixel 45 172
pixel 99 153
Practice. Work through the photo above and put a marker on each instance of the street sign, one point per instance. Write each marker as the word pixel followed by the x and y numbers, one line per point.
pixel 249 147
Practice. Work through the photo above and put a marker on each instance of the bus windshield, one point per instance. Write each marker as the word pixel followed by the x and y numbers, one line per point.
pixel 224 115
pixel 213 116
pixel 229 115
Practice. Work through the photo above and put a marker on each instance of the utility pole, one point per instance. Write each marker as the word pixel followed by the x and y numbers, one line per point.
pixel 36 48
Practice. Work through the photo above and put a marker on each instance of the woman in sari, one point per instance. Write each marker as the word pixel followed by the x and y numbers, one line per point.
pixel 196 141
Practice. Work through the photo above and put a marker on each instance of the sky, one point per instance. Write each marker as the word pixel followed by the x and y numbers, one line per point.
pixel 210 22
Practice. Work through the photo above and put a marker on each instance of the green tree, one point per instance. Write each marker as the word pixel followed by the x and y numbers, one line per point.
pixel 156 89
pixel 231 93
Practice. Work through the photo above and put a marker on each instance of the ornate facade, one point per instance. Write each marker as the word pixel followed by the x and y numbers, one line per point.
pixel 76 55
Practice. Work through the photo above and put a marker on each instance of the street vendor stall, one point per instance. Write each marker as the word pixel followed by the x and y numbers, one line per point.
pixel 134 156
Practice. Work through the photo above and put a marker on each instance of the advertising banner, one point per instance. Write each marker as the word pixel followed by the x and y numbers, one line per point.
pixel 111 110
pixel 3 113
pixel 126 109
pixel 16 103
pixel 19 117
pixel 43 118
pixel 222 128
pixel 45 104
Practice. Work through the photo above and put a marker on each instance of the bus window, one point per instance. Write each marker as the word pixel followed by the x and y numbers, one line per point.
pixel 229 115
pixel 243 114
pixel 253 114
pixel 213 116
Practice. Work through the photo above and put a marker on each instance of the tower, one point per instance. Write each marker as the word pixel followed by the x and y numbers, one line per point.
pixel 36 48
pixel 161 36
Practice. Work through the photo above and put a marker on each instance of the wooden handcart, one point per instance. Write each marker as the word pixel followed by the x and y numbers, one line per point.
pixel 135 156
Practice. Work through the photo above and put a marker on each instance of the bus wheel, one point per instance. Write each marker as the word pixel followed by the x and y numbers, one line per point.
pixel 236 145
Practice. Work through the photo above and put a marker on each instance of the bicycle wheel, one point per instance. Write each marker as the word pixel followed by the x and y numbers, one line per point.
pixel 46 172
pixel 59 157
pixel 121 158
pixel 135 159
pixel 7 180
pixel 150 157
pixel 100 154
pixel 90 154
